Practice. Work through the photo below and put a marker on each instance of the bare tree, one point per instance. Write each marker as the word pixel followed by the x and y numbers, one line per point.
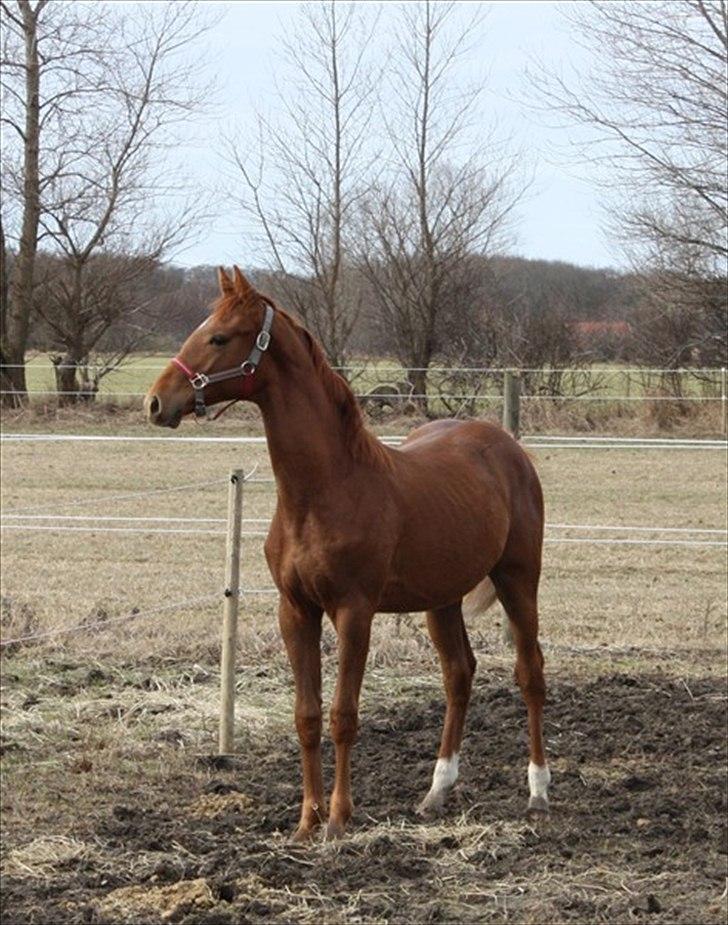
pixel 97 320
pixel 679 322
pixel 654 106
pixel 91 101
pixel 434 209
pixel 21 68
pixel 5 383
pixel 303 190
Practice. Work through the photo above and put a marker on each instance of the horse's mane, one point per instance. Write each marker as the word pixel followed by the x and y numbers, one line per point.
pixel 361 443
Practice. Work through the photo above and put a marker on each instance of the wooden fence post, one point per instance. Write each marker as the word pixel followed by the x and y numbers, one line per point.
pixel 724 400
pixel 512 402
pixel 230 613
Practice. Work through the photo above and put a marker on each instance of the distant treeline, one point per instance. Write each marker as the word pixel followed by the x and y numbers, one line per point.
pixel 513 312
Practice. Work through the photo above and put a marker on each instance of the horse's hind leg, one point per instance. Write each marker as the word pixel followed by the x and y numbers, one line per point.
pixel 517 591
pixel 447 631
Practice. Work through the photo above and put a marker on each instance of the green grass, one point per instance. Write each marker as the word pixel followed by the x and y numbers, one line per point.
pixel 606 381
pixel 133 377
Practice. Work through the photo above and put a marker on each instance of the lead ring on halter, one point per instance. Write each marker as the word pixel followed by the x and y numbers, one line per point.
pixel 247 368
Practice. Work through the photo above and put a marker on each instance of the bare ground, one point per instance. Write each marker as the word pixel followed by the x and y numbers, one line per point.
pixel 144 827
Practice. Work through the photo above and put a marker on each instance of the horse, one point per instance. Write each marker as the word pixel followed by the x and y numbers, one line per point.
pixel 448 521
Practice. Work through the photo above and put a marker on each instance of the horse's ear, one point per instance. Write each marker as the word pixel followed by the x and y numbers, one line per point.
pixel 226 284
pixel 242 287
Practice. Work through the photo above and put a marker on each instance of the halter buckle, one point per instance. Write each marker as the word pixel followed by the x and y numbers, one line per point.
pixel 262 340
pixel 247 368
pixel 199 381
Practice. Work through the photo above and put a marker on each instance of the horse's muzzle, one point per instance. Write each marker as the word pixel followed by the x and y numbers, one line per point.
pixel 156 414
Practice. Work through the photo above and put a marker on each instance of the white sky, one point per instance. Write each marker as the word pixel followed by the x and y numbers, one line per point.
pixel 561 219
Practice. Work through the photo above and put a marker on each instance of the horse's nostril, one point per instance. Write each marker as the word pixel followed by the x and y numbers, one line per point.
pixel 155 406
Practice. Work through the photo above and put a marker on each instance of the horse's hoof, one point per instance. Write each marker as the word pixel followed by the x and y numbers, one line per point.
pixel 303 834
pixel 432 806
pixel 334 831
pixel 538 809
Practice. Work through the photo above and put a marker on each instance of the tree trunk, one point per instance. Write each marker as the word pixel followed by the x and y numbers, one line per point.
pixel 417 379
pixel 88 383
pixel 65 368
pixel 6 383
pixel 74 382
pixel 14 336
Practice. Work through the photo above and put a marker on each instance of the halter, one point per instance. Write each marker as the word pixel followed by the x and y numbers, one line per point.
pixel 247 368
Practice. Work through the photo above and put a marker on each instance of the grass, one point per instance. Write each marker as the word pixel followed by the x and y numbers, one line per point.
pixel 591 595
pixel 605 381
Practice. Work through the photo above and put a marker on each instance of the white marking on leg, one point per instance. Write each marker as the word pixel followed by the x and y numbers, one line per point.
pixel 539 779
pixel 444 776
pixel 446 772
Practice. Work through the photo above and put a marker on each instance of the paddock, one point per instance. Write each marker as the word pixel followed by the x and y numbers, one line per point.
pixel 116 808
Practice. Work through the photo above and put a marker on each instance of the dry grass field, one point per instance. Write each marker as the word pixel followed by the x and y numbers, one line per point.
pixel 115 811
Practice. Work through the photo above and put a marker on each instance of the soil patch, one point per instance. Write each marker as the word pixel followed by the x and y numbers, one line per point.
pixel 637 832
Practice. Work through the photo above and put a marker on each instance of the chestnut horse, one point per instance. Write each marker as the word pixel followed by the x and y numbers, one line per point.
pixel 454 513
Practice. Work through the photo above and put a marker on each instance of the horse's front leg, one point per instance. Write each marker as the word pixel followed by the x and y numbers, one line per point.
pixel 301 631
pixel 353 626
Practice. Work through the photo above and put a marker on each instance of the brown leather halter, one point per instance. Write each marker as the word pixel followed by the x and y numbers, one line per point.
pixel 199 381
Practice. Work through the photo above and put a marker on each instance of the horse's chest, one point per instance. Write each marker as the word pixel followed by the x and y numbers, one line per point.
pixel 322 564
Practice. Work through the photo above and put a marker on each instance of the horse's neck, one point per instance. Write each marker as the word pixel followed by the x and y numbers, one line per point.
pixel 305 442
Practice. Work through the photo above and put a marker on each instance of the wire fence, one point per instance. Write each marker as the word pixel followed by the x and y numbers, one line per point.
pixel 398 398
pixel 196 531
pixel 536 441
pixel 83 625
pixel 44 519
pixel 622 528
pixel 384 382
pixel 392 366
pixel 597 541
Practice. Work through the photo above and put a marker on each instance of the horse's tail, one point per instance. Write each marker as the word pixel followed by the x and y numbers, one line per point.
pixel 479 599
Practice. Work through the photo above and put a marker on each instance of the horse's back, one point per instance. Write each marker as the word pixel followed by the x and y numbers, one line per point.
pixel 447 430
pixel 488 446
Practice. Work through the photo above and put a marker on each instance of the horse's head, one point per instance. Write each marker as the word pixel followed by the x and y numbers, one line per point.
pixel 218 361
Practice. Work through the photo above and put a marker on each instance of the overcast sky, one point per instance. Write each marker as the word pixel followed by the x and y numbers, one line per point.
pixel 561 219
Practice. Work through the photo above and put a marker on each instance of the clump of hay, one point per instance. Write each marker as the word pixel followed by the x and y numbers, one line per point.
pixel 42 857
pixel 214 805
pixel 137 903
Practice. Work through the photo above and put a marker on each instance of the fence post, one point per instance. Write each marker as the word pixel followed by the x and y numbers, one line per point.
pixel 230 613
pixel 512 402
pixel 724 400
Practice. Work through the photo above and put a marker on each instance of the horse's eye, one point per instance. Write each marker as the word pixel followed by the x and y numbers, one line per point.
pixel 219 340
